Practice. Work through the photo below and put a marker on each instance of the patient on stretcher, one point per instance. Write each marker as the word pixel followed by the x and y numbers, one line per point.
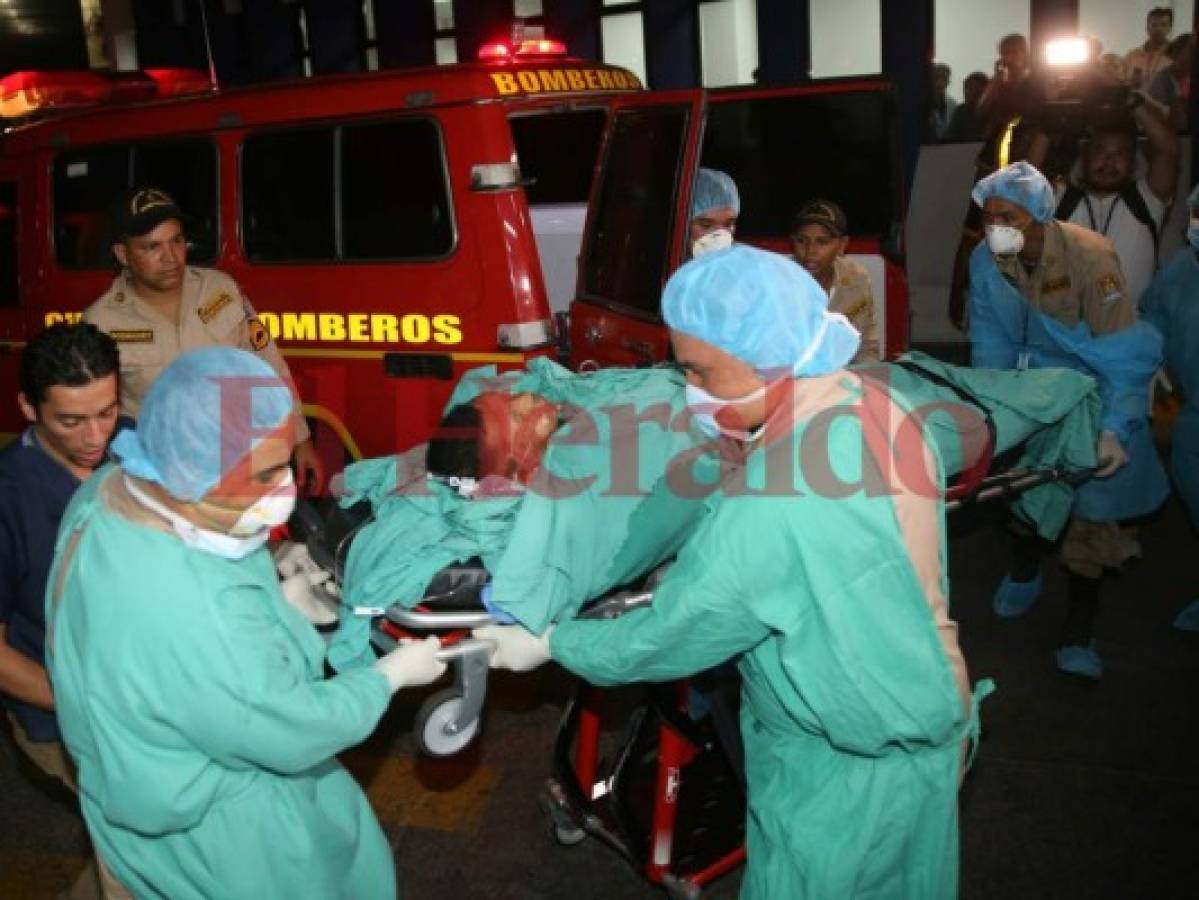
pixel 568 486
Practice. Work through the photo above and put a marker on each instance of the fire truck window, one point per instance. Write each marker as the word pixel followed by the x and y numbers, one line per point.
pixel 88 181
pixel 557 154
pixel 287 195
pixel 628 249
pixel 394 195
pixel 8 243
pixel 784 151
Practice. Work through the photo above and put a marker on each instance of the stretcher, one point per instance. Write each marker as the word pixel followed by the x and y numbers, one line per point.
pixel 671 797
pixel 670 794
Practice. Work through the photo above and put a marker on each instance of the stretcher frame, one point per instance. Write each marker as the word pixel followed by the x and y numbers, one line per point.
pixel 450 719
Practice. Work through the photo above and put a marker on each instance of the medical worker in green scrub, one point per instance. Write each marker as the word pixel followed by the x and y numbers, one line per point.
pixel 190 694
pixel 856 706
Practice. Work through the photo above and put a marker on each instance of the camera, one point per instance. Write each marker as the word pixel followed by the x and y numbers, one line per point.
pixel 1079 96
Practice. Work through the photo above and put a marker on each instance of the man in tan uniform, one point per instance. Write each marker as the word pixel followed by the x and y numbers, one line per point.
pixel 1030 277
pixel 818 242
pixel 159 307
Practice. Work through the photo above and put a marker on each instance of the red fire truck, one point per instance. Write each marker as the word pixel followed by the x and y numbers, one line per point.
pixel 396 228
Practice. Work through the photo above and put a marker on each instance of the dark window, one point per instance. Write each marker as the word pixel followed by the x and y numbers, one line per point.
pixel 784 151
pixel 394 201
pixel 628 250
pixel 8 243
pixel 287 195
pixel 557 153
pixel 394 197
pixel 88 181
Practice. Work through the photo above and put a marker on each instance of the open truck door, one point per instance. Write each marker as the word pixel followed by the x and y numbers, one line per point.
pixel 836 140
pixel 636 228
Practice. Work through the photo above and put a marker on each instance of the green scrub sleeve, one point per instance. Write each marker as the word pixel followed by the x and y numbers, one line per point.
pixel 700 616
pixel 253 702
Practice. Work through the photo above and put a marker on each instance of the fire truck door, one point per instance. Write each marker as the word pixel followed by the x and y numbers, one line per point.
pixel 635 226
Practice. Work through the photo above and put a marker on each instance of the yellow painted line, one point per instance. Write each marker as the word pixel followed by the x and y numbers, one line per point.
pixel 488 357
pixel 464 356
pixel 24 873
pixel 330 418
pixel 444 795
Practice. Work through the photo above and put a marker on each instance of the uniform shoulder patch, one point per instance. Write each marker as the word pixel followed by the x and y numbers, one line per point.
pixel 208 310
pixel 1110 287
pixel 259 336
pixel 138 336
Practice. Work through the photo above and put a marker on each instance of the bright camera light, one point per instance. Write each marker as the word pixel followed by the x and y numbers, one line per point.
pixel 1067 51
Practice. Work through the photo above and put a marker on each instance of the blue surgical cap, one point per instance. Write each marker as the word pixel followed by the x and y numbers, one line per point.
pixel 1022 184
pixel 202 415
pixel 761 308
pixel 714 189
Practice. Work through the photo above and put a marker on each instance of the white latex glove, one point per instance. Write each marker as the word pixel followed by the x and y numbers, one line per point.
pixel 515 648
pixel 412 664
pixel 291 558
pixel 316 604
pixel 1111 454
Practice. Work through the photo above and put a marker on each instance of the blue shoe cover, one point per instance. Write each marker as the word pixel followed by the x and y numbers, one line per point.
pixel 1082 661
pixel 1015 598
pixel 1188 619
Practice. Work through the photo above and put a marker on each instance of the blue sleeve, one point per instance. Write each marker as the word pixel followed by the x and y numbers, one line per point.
pixel 992 342
pixel 701 616
pixel 1154 307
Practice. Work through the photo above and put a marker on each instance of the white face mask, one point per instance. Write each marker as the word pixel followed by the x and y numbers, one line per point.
pixel 713 240
pixel 1004 240
pixel 271 509
pixel 215 542
pixel 704 408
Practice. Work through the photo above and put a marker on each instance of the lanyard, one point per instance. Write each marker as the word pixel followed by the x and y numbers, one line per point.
pixel 1111 211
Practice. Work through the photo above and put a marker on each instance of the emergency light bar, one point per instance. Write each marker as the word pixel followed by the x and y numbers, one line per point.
pixel 536 47
pixel 24 93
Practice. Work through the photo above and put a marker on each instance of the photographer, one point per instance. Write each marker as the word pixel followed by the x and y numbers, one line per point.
pixel 1104 192
pixel 1014 90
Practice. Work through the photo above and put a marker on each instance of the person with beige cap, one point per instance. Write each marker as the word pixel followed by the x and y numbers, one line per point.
pixel 159 307
pixel 818 242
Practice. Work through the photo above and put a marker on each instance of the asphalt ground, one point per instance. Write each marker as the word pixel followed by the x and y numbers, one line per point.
pixel 1079 789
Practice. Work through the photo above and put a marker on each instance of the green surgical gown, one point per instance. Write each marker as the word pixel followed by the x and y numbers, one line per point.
pixel 852 720
pixel 192 698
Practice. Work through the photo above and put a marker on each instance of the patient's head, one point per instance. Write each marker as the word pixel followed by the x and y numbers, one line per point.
pixel 497 433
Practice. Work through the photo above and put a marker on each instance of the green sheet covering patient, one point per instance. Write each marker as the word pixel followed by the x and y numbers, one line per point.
pixel 830 591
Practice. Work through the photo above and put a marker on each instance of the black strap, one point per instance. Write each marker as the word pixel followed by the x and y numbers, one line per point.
pixel 1071 197
pixel 1130 194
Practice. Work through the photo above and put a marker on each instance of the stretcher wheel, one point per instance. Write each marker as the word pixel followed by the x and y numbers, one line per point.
pixel 566 832
pixel 433 720
pixel 678 889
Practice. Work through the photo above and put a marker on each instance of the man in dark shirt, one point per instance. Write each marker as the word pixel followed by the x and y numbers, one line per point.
pixel 69 395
